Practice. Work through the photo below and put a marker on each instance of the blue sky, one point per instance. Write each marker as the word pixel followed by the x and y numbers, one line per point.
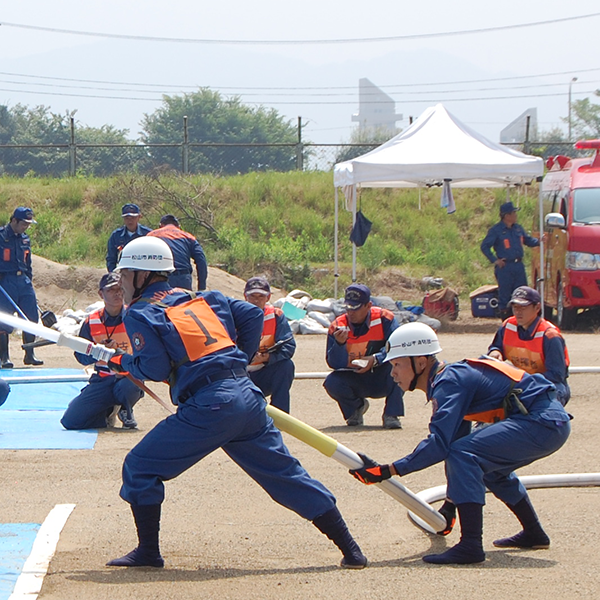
pixel 532 66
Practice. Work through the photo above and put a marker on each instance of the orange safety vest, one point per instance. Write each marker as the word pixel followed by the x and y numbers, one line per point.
pixel 269 328
pixel 171 232
pixel 495 414
pixel 101 335
pixel 201 331
pixel 357 346
pixel 529 354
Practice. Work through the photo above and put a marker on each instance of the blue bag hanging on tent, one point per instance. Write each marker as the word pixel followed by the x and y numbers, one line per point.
pixel 361 229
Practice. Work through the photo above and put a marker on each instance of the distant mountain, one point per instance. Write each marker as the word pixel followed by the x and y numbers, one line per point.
pixel 327 116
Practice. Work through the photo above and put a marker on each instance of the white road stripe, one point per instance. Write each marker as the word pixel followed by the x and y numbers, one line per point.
pixel 30 580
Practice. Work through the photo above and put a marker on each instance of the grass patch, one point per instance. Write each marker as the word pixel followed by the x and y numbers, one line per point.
pixel 279 224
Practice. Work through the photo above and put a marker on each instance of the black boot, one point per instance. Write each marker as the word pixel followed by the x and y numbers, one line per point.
pixel 30 358
pixel 4 359
pixel 448 511
pixel 532 536
pixel 332 524
pixel 147 554
pixel 470 548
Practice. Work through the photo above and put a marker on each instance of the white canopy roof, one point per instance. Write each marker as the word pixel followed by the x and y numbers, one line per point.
pixel 435 147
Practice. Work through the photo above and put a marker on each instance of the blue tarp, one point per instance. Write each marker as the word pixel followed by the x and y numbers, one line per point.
pixel 16 541
pixel 30 417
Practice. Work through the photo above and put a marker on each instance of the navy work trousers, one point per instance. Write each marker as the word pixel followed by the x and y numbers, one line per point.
pixel 489 456
pixel 228 414
pixel 349 389
pixel 509 277
pixel 96 401
pixel 276 380
pixel 20 289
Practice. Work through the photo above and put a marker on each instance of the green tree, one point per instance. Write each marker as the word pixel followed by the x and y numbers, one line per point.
pixel 213 118
pixel 48 135
pixel 37 126
pixel 97 157
pixel 585 118
pixel 550 143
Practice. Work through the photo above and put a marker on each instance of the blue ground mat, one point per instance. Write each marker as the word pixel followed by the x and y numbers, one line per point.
pixel 16 541
pixel 30 417
pixel 41 429
pixel 41 396
pixel 35 371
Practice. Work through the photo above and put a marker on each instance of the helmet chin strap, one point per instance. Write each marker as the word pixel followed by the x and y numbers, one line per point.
pixel 413 383
pixel 137 290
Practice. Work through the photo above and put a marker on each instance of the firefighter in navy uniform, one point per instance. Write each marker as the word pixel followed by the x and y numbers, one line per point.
pixel 272 368
pixel 15 279
pixel 506 239
pixel 184 247
pixel 361 334
pixel 526 423
pixel 130 230
pixel 532 343
pixel 201 343
pixel 108 395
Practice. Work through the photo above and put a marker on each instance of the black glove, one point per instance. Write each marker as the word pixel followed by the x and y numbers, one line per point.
pixel 114 364
pixel 371 472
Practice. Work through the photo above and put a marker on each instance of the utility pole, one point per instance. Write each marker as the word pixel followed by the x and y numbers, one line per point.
pixel 570 86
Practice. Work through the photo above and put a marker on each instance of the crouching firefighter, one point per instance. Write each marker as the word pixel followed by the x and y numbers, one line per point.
pixel 527 423
pixel 201 344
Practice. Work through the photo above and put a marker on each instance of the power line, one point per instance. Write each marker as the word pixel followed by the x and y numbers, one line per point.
pixel 363 94
pixel 298 88
pixel 394 38
pixel 300 102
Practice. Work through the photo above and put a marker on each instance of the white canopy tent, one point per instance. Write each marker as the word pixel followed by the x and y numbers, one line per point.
pixel 437 147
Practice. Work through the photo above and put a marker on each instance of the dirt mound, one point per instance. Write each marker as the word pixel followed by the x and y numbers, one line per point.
pixel 59 286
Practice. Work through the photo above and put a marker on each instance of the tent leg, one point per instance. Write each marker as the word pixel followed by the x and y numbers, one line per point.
pixel 353 223
pixel 335 248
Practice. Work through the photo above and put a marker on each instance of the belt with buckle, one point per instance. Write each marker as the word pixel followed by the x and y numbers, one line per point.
pixel 209 379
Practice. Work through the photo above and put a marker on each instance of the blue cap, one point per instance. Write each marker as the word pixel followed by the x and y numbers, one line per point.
pixel 356 295
pixel 507 208
pixel 130 210
pixel 257 285
pixel 23 213
pixel 524 296
pixel 109 280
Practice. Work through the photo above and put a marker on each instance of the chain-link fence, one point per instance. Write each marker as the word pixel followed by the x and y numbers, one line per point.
pixel 201 158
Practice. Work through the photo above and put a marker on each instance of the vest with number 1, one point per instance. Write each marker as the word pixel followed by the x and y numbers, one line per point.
pixel 528 354
pixel 357 346
pixel 199 328
pixel 100 335
pixel 269 328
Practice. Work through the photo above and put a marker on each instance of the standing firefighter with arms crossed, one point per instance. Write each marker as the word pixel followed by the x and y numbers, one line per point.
pixel 527 423
pixel 201 344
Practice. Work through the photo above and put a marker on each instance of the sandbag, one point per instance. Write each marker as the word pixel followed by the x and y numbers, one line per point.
pixel 324 319
pixel 309 326
pixel 323 306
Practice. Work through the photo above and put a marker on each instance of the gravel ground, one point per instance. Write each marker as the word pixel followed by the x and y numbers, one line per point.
pixel 223 537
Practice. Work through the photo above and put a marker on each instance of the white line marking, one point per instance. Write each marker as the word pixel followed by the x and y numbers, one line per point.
pixel 30 580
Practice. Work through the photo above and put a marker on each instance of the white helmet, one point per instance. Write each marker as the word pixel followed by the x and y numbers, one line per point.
pixel 412 339
pixel 146 253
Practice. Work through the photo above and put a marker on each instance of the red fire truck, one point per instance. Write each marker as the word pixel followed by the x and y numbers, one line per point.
pixel 570 197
